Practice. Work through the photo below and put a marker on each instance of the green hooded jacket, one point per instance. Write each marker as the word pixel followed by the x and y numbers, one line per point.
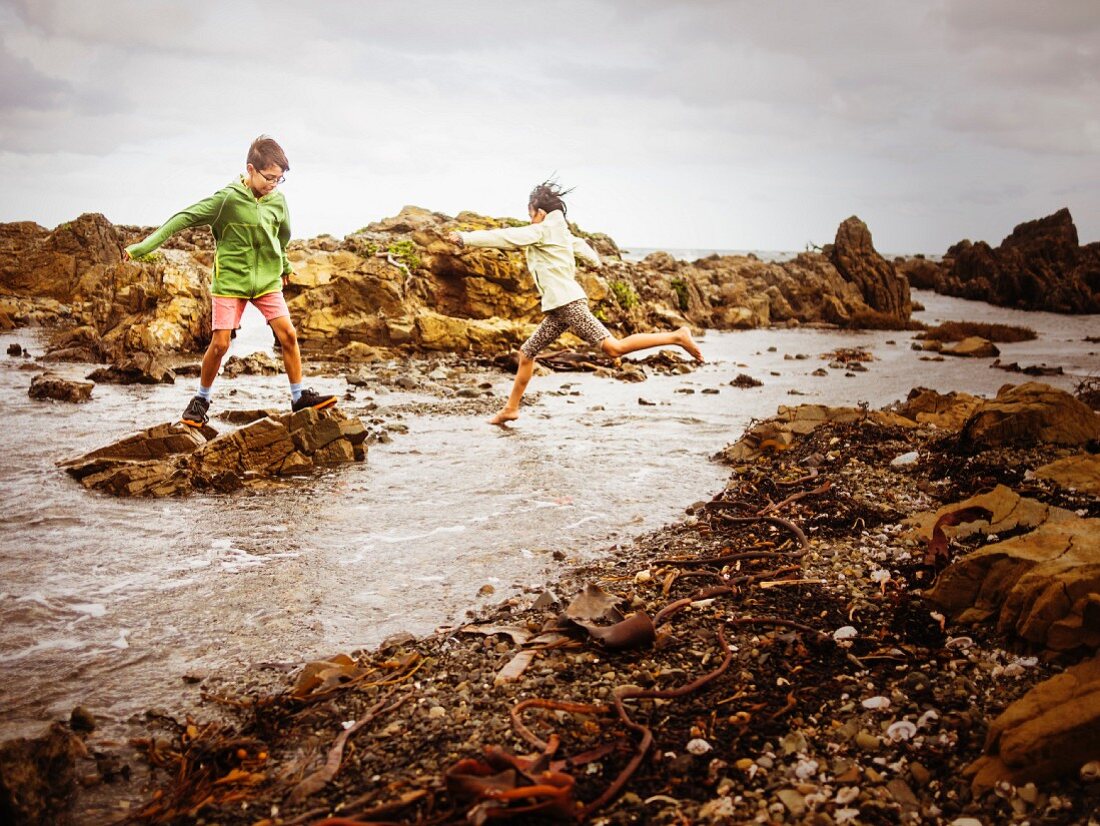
pixel 251 235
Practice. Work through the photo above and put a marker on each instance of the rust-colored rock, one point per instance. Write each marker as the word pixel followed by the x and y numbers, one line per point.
pixel 50 386
pixel 173 459
pixel 974 347
pixel 854 255
pixel 1050 732
pixel 1031 413
pixel 1042 585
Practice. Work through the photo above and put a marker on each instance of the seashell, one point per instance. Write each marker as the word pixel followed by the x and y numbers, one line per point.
pixel 698 746
pixel 901 730
pixel 877 703
pixel 643 576
pixel 929 716
pixel 805 769
pixel 846 794
pixel 880 575
pixel 1028 662
pixel 1090 772
pixel 1013 670
pixel 960 643
pixel 847 632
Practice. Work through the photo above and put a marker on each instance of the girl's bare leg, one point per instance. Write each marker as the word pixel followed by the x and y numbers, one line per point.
pixel 510 411
pixel 616 347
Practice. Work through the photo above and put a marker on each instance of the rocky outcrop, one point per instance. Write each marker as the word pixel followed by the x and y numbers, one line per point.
pixel 1040 266
pixel 173 459
pixel 75 277
pixel 1051 731
pixel 1042 585
pixel 398 283
pixel 50 386
pixel 1029 414
pixel 38 776
pixel 855 258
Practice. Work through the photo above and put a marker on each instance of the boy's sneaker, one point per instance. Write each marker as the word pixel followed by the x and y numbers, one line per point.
pixel 310 398
pixel 195 414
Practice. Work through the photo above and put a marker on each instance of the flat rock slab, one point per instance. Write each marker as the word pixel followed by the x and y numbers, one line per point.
pixel 1051 731
pixel 1042 585
pixel 173 459
pixel 1080 472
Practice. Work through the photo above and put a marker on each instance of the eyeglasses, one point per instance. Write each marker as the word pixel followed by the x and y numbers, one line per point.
pixel 271 179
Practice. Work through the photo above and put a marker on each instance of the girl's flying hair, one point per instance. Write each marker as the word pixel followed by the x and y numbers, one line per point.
pixel 547 196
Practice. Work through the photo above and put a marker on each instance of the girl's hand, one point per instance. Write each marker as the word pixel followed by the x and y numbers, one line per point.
pixel 455 238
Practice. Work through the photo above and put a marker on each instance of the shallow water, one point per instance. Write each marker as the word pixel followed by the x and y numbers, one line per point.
pixel 109 602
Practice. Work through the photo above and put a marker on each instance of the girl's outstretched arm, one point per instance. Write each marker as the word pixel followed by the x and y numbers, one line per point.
pixel 581 249
pixel 510 238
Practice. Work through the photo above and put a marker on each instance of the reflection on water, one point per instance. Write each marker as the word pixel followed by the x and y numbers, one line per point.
pixel 110 602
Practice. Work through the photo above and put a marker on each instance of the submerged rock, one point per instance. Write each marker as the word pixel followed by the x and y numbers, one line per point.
pixel 47 386
pixel 173 459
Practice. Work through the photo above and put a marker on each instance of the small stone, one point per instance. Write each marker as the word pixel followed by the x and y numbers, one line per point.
pixel 867 741
pixel 485 590
pixel 793 800
pixel 82 720
pixel 920 774
pixel 1028 793
pixel 437 712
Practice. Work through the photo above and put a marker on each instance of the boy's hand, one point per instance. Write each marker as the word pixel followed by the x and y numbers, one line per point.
pixel 286 280
pixel 455 238
pixel 126 255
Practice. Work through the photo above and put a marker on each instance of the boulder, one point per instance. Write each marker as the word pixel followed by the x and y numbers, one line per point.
pixel 140 368
pixel 173 459
pixel 1050 732
pixel 1029 414
pixel 47 386
pixel 854 256
pixel 38 776
pixel 254 364
pixel 1042 585
pixel 971 347
pixel 1039 266
pixel 948 411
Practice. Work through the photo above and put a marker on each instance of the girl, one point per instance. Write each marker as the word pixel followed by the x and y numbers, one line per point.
pixel 550 249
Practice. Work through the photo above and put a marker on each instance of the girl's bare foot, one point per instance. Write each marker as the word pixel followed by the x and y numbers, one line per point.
pixel 504 416
pixel 685 340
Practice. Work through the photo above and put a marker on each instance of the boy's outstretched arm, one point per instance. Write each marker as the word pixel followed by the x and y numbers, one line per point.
pixel 204 212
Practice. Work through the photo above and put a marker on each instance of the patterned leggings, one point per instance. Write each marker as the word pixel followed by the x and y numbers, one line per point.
pixel 573 316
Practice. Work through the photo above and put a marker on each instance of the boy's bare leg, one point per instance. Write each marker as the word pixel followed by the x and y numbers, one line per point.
pixel 212 358
pixel 510 411
pixel 616 347
pixel 283 328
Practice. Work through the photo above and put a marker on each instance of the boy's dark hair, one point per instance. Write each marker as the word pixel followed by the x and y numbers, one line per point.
pixel 265 151
pixel 547 196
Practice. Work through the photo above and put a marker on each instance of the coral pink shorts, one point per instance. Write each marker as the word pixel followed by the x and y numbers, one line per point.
pixel 228 311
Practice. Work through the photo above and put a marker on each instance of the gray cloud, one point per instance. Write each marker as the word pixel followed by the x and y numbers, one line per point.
pixel 749 123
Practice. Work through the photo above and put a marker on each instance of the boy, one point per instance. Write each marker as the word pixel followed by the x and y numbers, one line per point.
pixel 251 230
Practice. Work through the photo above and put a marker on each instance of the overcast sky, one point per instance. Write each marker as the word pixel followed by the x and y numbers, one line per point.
pixel 707 124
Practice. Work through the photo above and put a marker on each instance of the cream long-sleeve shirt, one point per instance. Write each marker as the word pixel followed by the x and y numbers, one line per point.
pixel 550 249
